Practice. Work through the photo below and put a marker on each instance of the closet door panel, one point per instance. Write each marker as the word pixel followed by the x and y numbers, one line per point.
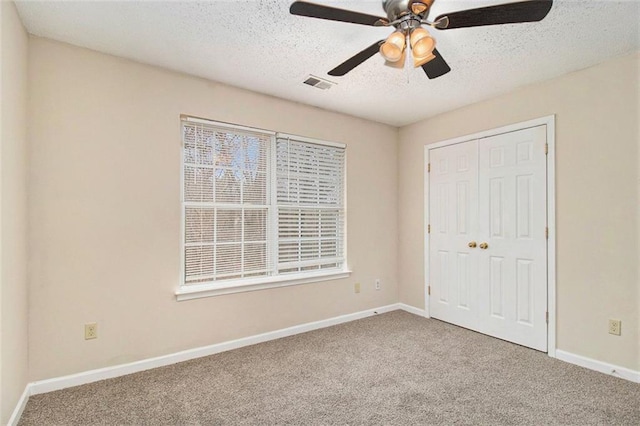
pixel 512 223
pixel 453 212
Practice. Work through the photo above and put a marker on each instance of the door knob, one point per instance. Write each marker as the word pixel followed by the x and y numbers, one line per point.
pixel 473 244
pixel 484 246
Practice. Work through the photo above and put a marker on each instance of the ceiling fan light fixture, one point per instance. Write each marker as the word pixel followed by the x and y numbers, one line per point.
pixel 399 63
pixel 422 44
pixel 393 48
pixel 420 6
pixel 418 62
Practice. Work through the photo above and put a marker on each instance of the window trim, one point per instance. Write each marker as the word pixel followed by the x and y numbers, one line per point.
pixel 297 138
pixel 224 125
pixel 210 289
pixel 197 291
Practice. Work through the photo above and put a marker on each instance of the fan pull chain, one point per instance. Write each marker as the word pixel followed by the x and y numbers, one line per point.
pixel 407 67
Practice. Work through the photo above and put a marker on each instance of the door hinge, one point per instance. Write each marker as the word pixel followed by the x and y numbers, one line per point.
pixel 428 229
pixel 429 290
pixel 546 232
pixel 428 167
pixel 546 149
pixel 546 315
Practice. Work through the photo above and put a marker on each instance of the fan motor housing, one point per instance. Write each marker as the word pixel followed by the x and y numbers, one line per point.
pixel 398 8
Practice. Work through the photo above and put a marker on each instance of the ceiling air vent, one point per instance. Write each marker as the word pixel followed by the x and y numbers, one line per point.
pixel 318 82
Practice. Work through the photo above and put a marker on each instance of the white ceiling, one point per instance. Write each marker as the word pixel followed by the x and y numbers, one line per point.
pixel 258 45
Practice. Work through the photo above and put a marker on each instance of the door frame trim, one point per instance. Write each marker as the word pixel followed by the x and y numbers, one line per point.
pixel 550 122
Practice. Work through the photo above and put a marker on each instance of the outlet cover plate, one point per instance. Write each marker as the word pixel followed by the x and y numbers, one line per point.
pixel 615 327
pixel 91 331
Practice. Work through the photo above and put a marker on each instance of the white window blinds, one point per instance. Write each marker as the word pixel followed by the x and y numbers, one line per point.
pixel 226 203
pixel 256 206
pixel 310 199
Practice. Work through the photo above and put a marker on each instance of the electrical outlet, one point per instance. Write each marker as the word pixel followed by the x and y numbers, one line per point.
pixel 91 331
pixel 615 327
pixel 377 283
pixel 357 288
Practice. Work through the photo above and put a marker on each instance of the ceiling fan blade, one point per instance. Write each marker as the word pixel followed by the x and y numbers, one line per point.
pixel 510 13
pixel 312 10
pixel 436 67
pixel 356 60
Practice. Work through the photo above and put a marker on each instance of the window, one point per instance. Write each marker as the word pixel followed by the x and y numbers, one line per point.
pixel 259 208
pixel 310 199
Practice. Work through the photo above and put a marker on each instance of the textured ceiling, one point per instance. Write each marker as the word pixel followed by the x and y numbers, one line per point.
pixel 258 45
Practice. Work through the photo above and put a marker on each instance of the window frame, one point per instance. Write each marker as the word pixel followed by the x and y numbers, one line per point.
pixel 215 288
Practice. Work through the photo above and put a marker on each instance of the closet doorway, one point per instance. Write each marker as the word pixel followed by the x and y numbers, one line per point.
pixel 488 203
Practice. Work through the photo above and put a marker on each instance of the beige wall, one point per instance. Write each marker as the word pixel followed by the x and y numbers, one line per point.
pixel 13 211
pixel 597 199
pixel 105 212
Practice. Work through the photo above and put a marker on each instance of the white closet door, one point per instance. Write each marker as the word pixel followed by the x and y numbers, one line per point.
pixel 512 222
pixel 491 192
pixel 454 224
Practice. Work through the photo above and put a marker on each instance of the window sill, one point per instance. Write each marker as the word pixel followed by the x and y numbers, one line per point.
pixel 210 290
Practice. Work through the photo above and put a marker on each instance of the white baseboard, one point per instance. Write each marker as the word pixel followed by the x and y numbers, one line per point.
pixel 602 367
pixel 91 376
pixel 22 402
pixel 413 310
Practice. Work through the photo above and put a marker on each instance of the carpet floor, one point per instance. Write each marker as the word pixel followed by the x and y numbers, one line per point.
pixel 394 368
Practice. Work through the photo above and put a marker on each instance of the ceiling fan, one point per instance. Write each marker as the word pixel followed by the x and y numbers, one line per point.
pixel 408 18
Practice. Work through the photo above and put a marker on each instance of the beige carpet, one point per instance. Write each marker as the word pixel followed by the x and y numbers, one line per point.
pixel 394 368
